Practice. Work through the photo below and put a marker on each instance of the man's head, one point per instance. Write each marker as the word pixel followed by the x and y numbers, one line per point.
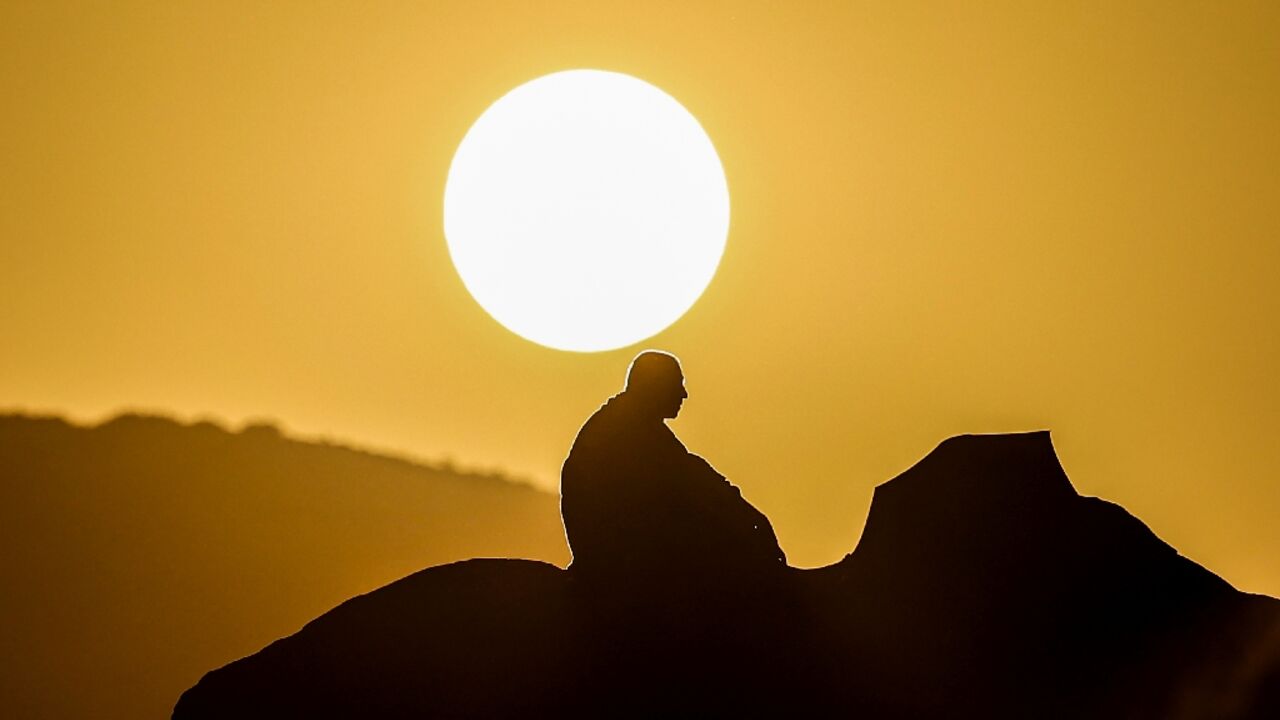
pixel 655 381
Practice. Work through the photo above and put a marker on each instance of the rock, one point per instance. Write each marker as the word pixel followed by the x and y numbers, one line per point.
pixel 984 586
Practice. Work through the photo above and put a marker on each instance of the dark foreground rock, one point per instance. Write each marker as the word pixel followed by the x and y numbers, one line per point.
pixel 983 586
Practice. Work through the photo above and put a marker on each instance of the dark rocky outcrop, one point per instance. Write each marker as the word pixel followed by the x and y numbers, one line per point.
pixel 983 586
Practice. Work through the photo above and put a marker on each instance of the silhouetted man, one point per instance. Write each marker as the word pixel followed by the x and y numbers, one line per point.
pixel 636 503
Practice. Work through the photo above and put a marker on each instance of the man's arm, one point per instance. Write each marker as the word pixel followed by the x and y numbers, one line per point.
pixel 725 497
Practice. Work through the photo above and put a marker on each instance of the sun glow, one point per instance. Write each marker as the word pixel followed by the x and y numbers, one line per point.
pixel 586 210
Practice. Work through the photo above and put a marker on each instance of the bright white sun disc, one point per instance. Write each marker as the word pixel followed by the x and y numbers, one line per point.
pixel 586 210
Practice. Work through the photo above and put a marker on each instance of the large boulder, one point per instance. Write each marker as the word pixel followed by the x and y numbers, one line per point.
pixel 984 586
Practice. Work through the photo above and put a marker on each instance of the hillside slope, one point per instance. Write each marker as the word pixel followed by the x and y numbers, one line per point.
pixel 136 554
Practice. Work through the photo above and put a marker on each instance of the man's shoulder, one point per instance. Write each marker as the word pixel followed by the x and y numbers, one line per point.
pixel 610 430
pixel 604 417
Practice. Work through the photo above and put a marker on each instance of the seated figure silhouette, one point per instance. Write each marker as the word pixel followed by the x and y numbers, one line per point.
pixel 638 505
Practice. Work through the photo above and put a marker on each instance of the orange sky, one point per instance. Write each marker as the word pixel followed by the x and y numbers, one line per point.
pixel 945 219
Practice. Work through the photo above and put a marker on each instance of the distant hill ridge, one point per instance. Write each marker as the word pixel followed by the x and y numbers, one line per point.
pixel 268 429
pixel 138 552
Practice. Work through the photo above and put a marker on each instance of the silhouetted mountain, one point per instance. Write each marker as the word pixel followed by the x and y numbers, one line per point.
pixel 137 554
pixel 983 586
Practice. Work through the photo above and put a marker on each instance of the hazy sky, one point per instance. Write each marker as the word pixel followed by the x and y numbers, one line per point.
pixel 945 219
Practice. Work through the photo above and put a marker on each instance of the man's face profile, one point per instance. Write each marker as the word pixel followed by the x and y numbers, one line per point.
pixel 676 395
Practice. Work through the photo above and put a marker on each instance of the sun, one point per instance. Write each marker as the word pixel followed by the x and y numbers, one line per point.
pixel 586 210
